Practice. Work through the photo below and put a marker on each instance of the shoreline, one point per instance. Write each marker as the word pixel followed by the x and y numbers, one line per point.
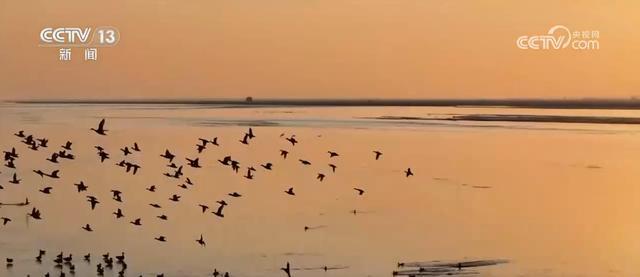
pixel 523 118
pixel 621 104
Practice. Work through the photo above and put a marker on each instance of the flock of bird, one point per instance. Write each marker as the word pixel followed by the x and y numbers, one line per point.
pixel 175 170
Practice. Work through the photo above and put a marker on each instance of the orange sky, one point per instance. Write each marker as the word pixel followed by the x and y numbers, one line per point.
pixel 321 49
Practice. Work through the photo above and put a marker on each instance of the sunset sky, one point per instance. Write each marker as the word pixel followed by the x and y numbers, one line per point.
pixel 321 49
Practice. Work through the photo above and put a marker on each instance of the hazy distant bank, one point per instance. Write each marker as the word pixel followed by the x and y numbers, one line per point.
pixel 516 103
pixel 525 118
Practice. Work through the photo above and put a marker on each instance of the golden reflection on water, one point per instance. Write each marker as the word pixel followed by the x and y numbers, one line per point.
pixel 560 202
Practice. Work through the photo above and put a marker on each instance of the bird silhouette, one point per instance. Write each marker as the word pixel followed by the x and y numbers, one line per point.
pixel 245 140
pixel 137 222
pixel 15 179
pixel 155 206
pixel 53 174
pixel 130 166
pixel 204 207
pixel 81 186
pixel 292 140
pixel 163 217
pixel 333 167
pixel 35 213
pixel 214 141
pixel 195 163
pixel 284 153
pixel 87 228
pixel 67 146
pixel 287 269
pixel 201 241
pixel 304 162
pixel 378 154
pixel 235 194
pixel 200 148
pixel 175 198
pixel 93 200
pixel 226 160
pixel 290 191
pixel 250 133
pixel 10 164
pixel 360 191
pixel 203 141
pixel 125 151
pixel 64 155
pixel 151 188
pixel 136 147
pixel 53 158
pixel 19 134
pixel 249 175
pixel 103 156
pixel 5 220
pixel 46 190
pixel 10 155
pixel 408 172
pixel 43 142
pixel 267 166
pixel 39 172
pixel 118 213
pixel 167 155
pixel 100 130
pixel 320 177
pixel 219 211
pixel 161 238
pixel 332 154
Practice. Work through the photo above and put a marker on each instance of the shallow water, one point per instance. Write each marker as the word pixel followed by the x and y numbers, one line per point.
pixel 555 199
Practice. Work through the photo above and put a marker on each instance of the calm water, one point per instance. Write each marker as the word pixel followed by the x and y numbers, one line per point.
pixel 562 199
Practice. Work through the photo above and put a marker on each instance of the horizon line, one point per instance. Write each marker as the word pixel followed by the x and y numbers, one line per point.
pixel 548 103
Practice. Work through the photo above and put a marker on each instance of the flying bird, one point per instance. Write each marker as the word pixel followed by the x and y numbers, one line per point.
pixel 87 228
pixel 245 140
pixel 408 172
pixel 93 200
pixel 167 155
pixel 15 179
pixel 35 213
pixel 204 207
pixel 293 140
pixel 378 154
pixel 290 191
pixel 118 213
pixel 201 241
pixel 81 186
pixel 67 146
pixel 267 166
pixel 100 130
pixel 287 269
